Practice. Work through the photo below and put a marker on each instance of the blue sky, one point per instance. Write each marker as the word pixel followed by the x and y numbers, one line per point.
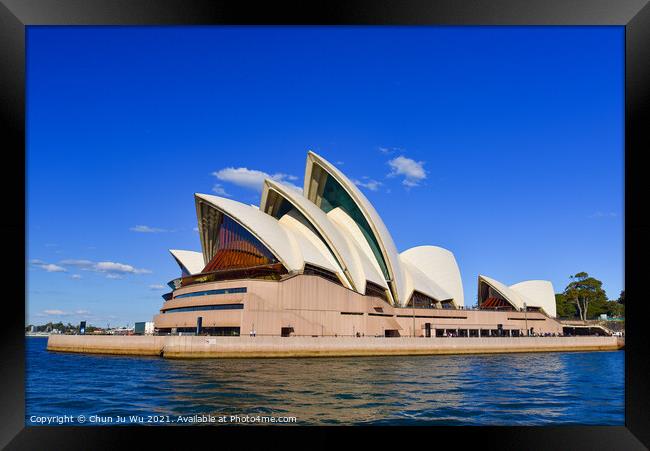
pixel 502 144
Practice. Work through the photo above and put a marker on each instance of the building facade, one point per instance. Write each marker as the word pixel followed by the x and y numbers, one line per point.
pixel 321 262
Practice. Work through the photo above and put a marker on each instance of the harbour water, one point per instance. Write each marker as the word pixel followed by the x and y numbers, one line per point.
pixel 499 389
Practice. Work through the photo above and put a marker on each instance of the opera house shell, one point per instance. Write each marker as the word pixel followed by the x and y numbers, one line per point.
pixel 321 262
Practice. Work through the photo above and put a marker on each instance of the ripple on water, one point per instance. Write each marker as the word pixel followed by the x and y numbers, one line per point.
pixel 516 389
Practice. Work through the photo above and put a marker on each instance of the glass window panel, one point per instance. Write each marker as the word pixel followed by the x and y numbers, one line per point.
pixel 236 247
pixel 197 308
pixel 211 292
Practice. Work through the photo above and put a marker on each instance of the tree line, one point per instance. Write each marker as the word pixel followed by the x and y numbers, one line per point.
pixel 584 298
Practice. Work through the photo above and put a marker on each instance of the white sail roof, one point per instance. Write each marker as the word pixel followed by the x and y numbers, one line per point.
pixel 332 225
pixel 540 293
pixel 379 230
pixel 516 299
pixel 534 293
pixel 416 280
pixel 264 227
pixel 311 247
pixel 365 266
pixel 190 262
pixel 440 266
pixel 317 218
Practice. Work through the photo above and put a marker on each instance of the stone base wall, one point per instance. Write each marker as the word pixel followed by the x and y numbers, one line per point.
pixel 228 347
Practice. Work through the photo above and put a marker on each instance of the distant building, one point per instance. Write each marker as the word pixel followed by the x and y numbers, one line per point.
pixel 121 331
pixel 143 328
pixel 322 262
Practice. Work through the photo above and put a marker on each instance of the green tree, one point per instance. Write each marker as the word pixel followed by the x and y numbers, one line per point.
pixel 597 307
pixel 621 298
pixel 615 309
pixel 564 307
pixel 585 291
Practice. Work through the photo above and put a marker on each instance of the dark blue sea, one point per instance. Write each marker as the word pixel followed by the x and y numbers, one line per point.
pixel 504 389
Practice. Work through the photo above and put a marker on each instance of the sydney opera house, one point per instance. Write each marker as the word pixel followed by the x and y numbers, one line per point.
pixel 321 262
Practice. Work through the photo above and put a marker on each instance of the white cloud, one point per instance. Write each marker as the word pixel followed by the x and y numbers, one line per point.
pixel 251 178
pixel 82 264
pixel 119 268
pixel 56 312
pixel 371 184
pixel 413 171
pixel 390 150
pixel 147 229
pixel 157 287
pixel 220 190
pixel 196 229
pixel 49 267
pixel 113 270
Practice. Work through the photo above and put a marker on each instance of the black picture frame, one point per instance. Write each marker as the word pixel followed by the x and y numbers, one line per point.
pixel 634 15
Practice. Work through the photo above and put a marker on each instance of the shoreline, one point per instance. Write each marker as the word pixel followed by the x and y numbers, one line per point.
pixel 192 347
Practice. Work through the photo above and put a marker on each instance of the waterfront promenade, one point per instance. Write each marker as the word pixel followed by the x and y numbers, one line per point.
pixel 246 346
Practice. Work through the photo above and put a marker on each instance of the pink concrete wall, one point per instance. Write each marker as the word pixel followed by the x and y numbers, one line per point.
pixel 312 306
